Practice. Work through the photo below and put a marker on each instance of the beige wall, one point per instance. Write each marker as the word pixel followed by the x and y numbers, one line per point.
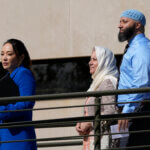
pixel 66 28
pixel 59 113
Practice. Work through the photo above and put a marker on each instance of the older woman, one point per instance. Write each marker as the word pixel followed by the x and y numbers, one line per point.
pixel 104 74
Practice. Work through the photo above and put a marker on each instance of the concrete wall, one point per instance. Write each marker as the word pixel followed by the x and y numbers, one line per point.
pixel 66 28
pixel 58 113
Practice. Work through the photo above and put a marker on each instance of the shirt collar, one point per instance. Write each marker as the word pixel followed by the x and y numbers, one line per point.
pixel 14 73
pixel 136 38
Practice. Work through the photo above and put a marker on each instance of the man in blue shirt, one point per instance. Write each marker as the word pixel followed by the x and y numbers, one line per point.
pixel 134 70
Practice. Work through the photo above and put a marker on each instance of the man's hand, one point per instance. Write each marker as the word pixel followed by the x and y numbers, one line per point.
pixel 122 124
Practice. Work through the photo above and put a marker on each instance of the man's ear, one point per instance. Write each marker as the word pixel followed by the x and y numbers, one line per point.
pixel 138 25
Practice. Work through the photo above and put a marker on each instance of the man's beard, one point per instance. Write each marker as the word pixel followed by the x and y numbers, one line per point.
pixel 126 34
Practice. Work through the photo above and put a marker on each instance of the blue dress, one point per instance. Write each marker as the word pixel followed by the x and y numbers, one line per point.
pixel 25 81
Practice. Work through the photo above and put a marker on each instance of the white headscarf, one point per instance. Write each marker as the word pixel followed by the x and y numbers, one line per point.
pixel 106 68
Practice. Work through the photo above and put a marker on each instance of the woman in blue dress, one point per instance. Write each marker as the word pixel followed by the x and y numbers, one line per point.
pixel 16 60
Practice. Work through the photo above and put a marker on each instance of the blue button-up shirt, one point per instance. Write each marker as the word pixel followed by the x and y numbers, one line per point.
pixel 135 72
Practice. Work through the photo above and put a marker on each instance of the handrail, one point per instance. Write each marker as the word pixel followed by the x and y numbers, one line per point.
pixel 72 121
pixel 68 122
pixel 72 95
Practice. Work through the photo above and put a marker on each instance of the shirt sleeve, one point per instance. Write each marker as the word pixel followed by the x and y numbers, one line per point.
pixel 26 84
pixel 140 78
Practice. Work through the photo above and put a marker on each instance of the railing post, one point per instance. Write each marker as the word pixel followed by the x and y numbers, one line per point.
pixel 97 125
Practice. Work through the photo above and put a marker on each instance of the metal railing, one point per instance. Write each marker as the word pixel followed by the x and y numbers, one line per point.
pixel 69 122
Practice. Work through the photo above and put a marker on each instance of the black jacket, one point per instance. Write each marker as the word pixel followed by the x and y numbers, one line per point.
pixel 8 88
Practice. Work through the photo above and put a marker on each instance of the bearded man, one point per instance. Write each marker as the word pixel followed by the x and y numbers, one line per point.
pixel 134 73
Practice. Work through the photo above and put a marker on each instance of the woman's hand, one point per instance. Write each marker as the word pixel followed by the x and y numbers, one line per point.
pixel 78 128
pixel 84 128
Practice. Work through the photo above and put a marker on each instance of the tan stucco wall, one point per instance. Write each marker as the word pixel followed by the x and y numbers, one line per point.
pixel 58 113
pixel 66 28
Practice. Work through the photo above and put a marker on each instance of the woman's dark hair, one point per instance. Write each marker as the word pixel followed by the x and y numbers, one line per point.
pixel 20 50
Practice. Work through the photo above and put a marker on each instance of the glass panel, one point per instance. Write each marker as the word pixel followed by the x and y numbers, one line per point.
pixel 61 76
